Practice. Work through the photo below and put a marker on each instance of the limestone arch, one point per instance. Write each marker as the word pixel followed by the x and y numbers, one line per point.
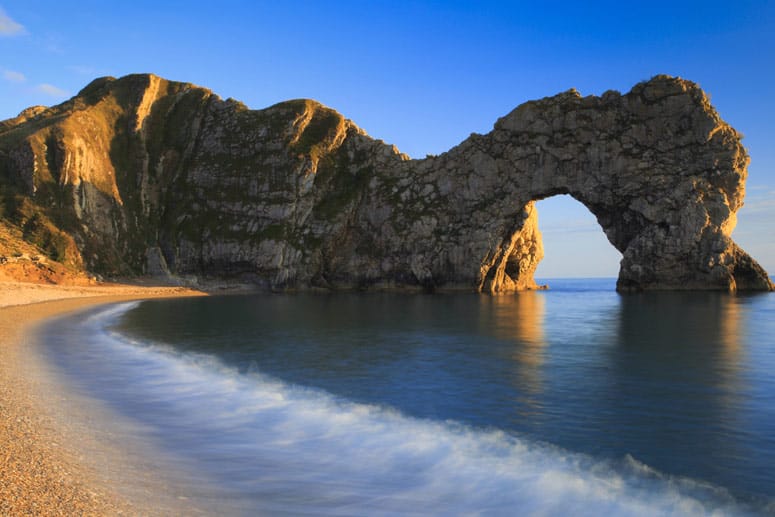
pixel 657 167
pixel 521 253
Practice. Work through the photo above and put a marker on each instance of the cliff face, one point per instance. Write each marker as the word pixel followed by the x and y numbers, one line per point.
pixel 140 175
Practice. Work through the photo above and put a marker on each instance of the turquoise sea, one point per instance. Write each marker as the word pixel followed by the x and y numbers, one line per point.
pixel 576 400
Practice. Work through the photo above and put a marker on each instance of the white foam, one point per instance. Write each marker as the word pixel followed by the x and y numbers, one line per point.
pixel 283 448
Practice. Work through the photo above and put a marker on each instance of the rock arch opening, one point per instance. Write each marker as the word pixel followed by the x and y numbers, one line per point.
pixel 586 239
pixel 575 246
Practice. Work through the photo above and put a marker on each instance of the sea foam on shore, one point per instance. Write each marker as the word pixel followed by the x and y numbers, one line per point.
pixel 271 446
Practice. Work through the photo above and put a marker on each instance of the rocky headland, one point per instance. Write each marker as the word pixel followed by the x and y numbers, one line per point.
pixel 145 176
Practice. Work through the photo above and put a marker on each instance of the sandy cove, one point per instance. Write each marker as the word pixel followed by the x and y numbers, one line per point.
pixel 52 461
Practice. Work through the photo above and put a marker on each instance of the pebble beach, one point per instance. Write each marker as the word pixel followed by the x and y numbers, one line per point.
pixel 52 460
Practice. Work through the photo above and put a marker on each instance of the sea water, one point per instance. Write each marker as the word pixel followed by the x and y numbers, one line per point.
pixel 574 400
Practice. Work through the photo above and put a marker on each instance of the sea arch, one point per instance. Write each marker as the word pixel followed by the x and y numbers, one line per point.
pixel 516 268
pixel 661 172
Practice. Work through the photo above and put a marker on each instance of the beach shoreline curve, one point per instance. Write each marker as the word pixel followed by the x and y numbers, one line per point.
pixel 53 461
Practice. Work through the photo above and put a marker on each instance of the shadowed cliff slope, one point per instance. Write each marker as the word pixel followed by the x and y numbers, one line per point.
pixel 141 175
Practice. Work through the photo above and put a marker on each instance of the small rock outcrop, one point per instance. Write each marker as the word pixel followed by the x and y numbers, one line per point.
pixel 141 175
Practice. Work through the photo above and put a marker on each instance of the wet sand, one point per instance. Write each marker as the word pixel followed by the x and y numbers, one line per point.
pixel 54 460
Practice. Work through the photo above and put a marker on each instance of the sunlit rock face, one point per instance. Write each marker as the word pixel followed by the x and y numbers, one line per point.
pixel 140 175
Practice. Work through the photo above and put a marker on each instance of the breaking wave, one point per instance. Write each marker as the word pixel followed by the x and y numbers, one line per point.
pixel 278 448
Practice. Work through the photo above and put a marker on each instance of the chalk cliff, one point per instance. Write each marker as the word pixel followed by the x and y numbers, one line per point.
pixel 140 175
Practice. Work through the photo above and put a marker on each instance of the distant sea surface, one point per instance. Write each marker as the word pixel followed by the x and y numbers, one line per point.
pixel 576 400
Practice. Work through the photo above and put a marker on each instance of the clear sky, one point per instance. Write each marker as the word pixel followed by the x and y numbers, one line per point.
pixel 422 75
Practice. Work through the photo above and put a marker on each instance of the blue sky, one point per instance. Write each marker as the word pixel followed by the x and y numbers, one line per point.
pixel 422 75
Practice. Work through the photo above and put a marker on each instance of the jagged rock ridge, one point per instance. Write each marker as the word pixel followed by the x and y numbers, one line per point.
pixel 142 175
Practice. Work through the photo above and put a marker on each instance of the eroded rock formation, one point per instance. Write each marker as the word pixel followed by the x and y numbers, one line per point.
pixel 143 175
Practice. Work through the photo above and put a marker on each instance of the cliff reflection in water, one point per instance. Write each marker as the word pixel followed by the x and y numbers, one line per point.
pixel 675 380
pixel 519 319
